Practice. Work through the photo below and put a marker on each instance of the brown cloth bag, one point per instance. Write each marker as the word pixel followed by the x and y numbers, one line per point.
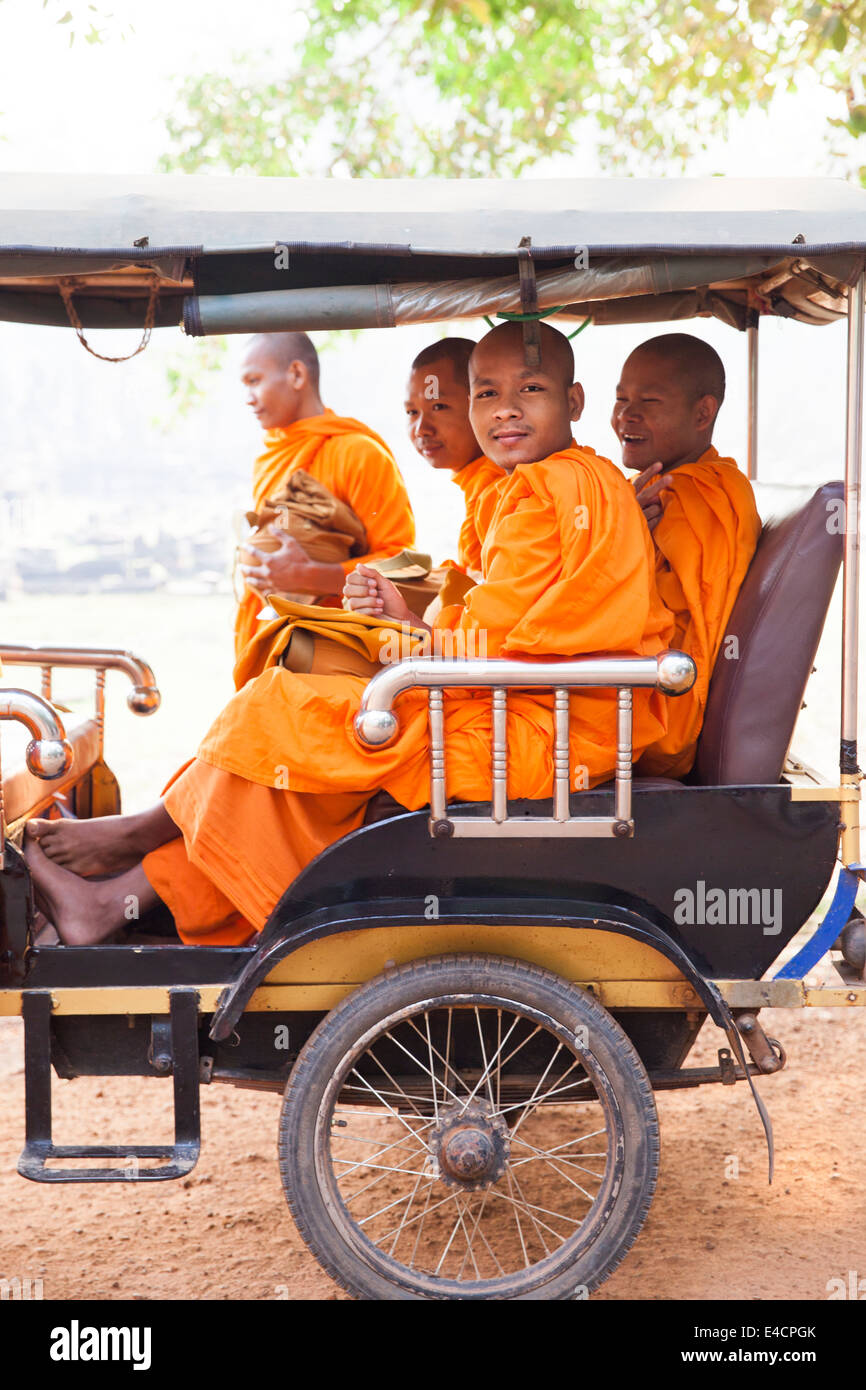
pixel 328 529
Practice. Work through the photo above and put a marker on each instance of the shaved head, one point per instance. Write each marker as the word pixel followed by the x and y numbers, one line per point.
pixel 437 404
pixel 280 372
pixel 523 414
pixel 557 356
pixel 669 393
pixel 285 348
pixel 698 366
pixel 457 351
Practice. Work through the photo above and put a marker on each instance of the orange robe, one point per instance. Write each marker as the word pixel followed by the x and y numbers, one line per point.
pixel 569 571
pixel 473 479
pixel 357 466
pixel 705 541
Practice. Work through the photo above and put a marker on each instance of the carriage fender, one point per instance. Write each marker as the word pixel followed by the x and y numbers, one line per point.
pixel 281 939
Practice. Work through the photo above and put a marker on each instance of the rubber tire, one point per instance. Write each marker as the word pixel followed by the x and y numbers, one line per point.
pixel 419 981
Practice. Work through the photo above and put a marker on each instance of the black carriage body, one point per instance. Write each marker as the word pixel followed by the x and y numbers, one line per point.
pixel 687 841
pixel 729 838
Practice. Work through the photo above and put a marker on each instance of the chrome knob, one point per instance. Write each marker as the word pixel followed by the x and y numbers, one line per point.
pixel 49 758
pixel 376 727
pixel 144 699
pixel 677 672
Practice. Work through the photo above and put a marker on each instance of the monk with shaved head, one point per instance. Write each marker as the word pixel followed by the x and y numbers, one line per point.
pixel 699 506
pixel 437 412
pixel 569 570
pixel 280 372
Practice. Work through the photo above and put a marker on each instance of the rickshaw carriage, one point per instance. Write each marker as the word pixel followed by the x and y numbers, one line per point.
pixel 468 1007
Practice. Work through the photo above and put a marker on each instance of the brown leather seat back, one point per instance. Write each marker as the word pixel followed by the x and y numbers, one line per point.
pixel 777 621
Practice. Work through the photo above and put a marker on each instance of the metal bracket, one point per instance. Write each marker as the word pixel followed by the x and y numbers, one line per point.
pixel 179 1035
pixel 529 304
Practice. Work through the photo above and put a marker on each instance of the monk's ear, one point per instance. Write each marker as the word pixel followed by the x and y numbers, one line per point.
pixel 297 375
pixel 706 410
pixel 576 401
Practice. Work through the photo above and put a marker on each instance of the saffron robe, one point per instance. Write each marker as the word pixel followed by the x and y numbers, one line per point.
pixel 705 541
pixel 357 466
pixel 473 479
pixel 569 571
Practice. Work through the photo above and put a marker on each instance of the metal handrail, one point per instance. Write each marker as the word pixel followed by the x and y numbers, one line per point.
pixel 144 698
pixel 49 753
pixel 376 725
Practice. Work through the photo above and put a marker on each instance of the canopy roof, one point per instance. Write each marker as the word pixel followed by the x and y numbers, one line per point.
pixel 365 252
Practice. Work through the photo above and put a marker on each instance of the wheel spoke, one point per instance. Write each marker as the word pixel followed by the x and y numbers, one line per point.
pixel 420 1227
pixel 450 1238
pixel 516 1214
pixel 514 1051
pixel 432 1075
pixel 444 1060
pixel 381 1212
pixel 531 1105
pixel 432 1068
pixel 485 1071
pixel 541 1080
pixel 530 1207
pixel 389 1108
pixel 449 1197
pixel 418 1182
pixel 397 1087
pixel 515 1186
pixel 477 1227
pixel 547 1154
pixel 469 1251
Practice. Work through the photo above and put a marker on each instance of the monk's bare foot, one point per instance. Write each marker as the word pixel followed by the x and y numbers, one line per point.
pixel 105 845
pixel 83 913
pixel 44 932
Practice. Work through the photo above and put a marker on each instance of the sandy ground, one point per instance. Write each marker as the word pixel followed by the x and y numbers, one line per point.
pixel 224 1232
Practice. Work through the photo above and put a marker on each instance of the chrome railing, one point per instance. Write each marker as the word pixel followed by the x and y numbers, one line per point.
pixel 376 725
pixel 48 754
pixel 144 698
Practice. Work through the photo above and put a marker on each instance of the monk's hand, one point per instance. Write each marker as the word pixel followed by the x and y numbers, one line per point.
pixel 289 569
pixel 648 493
pixel 369 592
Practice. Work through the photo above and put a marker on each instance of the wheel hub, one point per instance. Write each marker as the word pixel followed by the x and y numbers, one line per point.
pixel 470 1145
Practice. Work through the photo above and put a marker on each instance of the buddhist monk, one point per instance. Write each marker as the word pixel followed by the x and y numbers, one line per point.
pixel 699 506
pixel 281 375
pixel 568 570
pixel 437 411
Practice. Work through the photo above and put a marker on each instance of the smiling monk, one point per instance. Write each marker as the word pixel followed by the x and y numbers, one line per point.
pixel 281 374
pixel 437 411
pixel 699 506
pixel 568 571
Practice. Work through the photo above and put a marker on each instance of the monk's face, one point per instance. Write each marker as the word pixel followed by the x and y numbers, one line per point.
pixel 519 414
pixel 437 413
pixel 657 417
pixel 273 393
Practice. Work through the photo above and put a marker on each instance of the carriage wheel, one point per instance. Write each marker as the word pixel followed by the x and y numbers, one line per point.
pixel 469 1127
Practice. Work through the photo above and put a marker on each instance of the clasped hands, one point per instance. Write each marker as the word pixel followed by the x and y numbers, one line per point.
pixel 369 592
pixel 648 493
pixel 289 569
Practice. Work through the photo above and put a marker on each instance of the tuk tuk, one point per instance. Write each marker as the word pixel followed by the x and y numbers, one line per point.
pixel 468 1008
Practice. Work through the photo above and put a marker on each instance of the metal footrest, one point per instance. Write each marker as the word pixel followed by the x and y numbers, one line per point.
pixel 180 1157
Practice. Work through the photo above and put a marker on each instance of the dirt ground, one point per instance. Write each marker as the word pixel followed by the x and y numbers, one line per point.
pixel 716 1230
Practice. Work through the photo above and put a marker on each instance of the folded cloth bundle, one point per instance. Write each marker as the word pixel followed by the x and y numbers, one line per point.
pixel 328 642
pixel 328 529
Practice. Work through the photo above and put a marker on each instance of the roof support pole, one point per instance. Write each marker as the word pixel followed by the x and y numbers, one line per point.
pixel 850 773
pixel 752 339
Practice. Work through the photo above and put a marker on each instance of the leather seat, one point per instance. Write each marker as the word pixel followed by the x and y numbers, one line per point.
pixel 777 621
pixel 26 795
